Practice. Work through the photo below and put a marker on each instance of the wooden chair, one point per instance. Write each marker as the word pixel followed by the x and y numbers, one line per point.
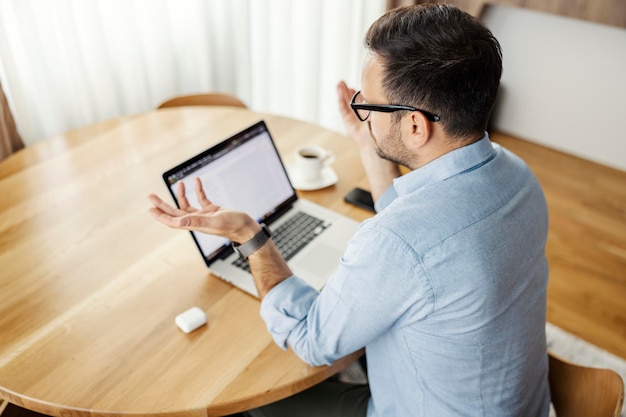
pixel 209 99
pixel 579 391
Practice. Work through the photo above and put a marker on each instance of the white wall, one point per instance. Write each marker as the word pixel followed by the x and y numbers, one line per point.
pixel 564 83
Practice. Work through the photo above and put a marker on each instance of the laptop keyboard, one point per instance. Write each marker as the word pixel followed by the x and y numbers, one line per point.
pixel 292 236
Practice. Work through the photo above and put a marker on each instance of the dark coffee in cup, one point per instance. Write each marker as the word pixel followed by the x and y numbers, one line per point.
pixel 310 160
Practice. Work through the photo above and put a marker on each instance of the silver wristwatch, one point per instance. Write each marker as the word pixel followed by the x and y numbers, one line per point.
pixel 246 249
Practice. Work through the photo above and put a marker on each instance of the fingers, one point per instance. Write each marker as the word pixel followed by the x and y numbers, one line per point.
pixel 211 219
pixel 181 196
pixel 344 92
pixel 350 121
pixel 164 207
pixel 341 97
pixel 179 218
pixel 204 222
pixel 168 220
pixel 344 95
pixel 166 214
pixel 204 202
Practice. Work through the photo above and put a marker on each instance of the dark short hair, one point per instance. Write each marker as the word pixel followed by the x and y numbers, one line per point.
pixel 441 59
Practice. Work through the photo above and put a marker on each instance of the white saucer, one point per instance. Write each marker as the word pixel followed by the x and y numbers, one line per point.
pixel 328 178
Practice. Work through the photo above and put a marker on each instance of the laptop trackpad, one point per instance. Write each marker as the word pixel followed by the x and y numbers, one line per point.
pixel 322 260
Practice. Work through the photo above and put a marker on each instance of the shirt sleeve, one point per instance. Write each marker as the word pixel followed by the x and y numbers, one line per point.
pixel 285 306
pixel 385 199
pixel 378 281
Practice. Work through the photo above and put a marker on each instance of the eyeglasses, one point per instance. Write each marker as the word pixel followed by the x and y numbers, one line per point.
pixel 363 110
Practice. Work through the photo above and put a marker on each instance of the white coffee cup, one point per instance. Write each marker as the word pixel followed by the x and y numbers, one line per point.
pixel 311 160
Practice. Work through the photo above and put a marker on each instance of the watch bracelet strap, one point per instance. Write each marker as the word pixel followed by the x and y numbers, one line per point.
pixel 246 249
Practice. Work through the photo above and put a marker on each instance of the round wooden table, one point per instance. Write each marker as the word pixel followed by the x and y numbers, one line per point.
pixel 91 284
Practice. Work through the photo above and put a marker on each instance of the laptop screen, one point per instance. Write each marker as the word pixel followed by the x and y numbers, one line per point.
pixel 244 172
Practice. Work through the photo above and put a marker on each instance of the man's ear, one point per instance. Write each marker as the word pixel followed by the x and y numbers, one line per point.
pixel 417 130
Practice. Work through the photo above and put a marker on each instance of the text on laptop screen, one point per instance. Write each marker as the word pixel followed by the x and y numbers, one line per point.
pixel 242 173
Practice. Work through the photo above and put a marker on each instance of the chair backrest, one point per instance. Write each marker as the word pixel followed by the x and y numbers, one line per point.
pixel 209 99
pixel 583 391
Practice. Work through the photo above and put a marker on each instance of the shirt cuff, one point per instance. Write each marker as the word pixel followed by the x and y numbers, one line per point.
pixel 285 306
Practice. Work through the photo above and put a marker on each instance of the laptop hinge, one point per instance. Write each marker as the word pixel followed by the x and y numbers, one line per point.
pixel 278 213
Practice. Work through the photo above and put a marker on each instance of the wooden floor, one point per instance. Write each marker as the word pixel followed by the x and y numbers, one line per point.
pixel 586 243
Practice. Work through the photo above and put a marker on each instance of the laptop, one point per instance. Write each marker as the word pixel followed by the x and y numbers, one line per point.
pixel 245 172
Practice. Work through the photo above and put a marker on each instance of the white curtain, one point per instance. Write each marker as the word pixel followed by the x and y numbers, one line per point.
pixel 68 63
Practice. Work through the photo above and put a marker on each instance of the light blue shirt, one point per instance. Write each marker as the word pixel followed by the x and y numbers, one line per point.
pixel 446 289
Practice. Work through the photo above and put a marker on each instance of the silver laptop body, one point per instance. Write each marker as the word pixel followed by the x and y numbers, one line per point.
pixel 245 172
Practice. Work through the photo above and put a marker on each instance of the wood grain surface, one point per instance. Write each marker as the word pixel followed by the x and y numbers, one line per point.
pixel 91 284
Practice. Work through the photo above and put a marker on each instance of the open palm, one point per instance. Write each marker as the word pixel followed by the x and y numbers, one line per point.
pixel 209 218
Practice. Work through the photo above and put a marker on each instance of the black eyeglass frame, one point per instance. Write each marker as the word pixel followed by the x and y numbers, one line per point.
pixel 386 108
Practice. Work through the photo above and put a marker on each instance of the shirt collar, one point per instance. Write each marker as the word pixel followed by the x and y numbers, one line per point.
pixel 453 163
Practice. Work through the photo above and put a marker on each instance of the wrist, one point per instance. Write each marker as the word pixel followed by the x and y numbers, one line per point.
pixel 245 232
pixel 247 248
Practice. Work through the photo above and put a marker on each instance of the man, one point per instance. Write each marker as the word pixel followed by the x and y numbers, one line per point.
pixel 446 286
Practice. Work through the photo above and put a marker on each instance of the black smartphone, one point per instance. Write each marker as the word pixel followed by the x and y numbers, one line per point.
pixel 360 198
